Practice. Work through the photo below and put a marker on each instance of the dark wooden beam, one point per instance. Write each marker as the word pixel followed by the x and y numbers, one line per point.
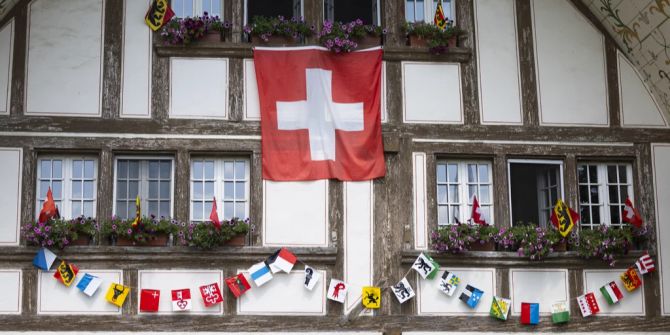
pixel 524 21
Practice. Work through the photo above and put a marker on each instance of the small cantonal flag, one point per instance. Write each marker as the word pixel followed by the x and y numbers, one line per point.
pixel 238 285
pixel 372 297
pixel 66 273
pixel 611 293
pixel 149 300
pixel 214 216
pixel 44 259
pixel 117 294
pixel 471 296
pixel 403 291
pixel 530 313
pixel 89 284
pixel 311 277
pixel 560 312
pixel 448 283
pixel 563 218
pixel 337 290
pixel 181 300
pixel 500 308
pixel 588 304
pixel 425 266
pixel 630 279
pixel 476 214
pixel 281 260
pixel 631 215
pixel 211 294
pixel 645 264
pixel 260 273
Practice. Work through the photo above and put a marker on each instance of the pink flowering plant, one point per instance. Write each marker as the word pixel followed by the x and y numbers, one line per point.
pixel 205 235
pixel 436 38
pixel 344 37
pixel 606 243
pixel 458 238
pixel 183 31
pixel 529 240
pixel 265 27
pixel 147 230
pixel 59 233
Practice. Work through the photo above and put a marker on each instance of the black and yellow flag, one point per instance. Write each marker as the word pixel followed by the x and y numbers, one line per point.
pixel 439 19
pixel 372 297
pixel 159 14
pixel 138 213
pixel 563 218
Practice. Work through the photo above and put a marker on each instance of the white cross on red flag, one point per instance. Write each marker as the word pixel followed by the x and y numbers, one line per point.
pixel 320 113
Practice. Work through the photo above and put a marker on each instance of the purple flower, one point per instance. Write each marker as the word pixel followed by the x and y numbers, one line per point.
pixel 129 231
pixel 114 227
pixel 50 242
pixel 47 229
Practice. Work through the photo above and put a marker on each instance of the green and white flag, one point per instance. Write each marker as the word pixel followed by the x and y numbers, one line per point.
pixel 500 308
pixel 560 312
pixel 612 293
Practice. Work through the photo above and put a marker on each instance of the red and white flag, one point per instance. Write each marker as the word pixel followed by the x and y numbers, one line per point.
pixel 149 300
pixel 645 264
pixel 211 294
pixel 181 300
pixel 214 216
pixel 477 212
pixel 320 113
pixel 588 304
pixel 631 215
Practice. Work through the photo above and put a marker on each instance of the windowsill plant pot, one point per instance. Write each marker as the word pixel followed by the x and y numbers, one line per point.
pixel 481 245
pixel 560 246
pixel 60 233
pixel 213 37
pixel 207 235
pixel 417 41
pixel 340 37
pixel 277 31
pixel 81 240
pixel 274 41
pixel 160 240
pixel 369 41
pixel 237 241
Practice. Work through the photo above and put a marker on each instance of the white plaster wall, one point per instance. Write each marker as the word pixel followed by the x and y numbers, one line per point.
pixel 543 286
pixel 295 213
pixel 431 301
pixel 188 333
pixel 55 298
pixel 570 66
pixel 6 55
pixel 168 280
pixel 419 195
pixel 11 283
pixel 632 303
pixel 285 294
pixel 136 60
pixel 638 106
pixel 64 61
pixel 198 88
pixel 432 92
pixel 661 166
pixel 10 197
pixel 498 62
pixel 358 239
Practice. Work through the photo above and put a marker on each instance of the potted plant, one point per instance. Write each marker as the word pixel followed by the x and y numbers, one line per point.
pixel 346 37
pixel 459 238
pixel 277 30
pixel 207 236
pixel 438 41
pixel 215 29
pixel 60 233
pixel 183 31
pixel 483 236
pixel 606 243
pixel 86 230
pixel 150 232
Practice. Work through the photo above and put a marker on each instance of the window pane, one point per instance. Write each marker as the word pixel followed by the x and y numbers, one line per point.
pixel 240 190
pixel 208 209
pixel 441 194
pixel 452 173
pixel 472 190
pixel 409 10
pixel 240 170
pixel 593 173
pixel 611 174
pixel 595 211
pixel 197 210
pixel 623 177
pixel 228 190
pixel 121 209
pixel 228 208
pixel 624 193
pixel 122 169
pixel 419 10
pixel 209 169
pixel 88 169
pixel 239 210
pixel 45 169
pixel 166 167
pixel 133 169
pixel 133 189
pixel 197 170
pixel 595 198
pixel 455 213
pixel 552 177
pixel 209 190
pixel 584 214
pixel 88 190
pixel 153 189
pixel 121 191
pixel 153 208
pixel 228 168
pixel 441 173
pixel 76 209
pixel 165 190
pixel 483 173
pixel 472 173
pixel 76 189
pixel 153 169
pixel 453 193
pixel 77 169
pixel 614 214
pixel 484 193
pixel 443 214
pixel 57 169
pixel 132 208
pixel 88 209
pixel 486 213
pixel 165 209
pixel 197 190
pixel 581 174
pixel 614 195
pixel 583 194
pixel 56 189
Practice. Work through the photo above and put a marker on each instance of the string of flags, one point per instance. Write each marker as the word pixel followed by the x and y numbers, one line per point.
pixel 284 260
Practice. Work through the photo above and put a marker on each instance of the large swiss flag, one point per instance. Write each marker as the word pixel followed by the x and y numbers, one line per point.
pixel 320 113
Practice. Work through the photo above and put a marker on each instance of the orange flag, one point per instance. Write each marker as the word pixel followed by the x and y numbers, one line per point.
pixel 49 209
pixel 214 216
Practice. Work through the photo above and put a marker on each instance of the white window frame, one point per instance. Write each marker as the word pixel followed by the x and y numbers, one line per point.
pixel 464 200
pixel 561 182
pixel 65 208
pixel 603 192
pixel 246 12
pixel 219 186
pixel 198 8
pixel 377 17
pixel 143 186
pixel 429 12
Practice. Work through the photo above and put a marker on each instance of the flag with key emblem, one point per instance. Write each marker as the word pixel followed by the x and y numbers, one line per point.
pixel 181 300
pixel 320 113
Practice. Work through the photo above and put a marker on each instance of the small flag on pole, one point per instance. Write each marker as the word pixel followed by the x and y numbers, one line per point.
pixel 49 209
pixel 260 273
pixel 403 291
pixel 211 294
pixel 631 215
pixel 158 14
pixel 89 284
pixel 214 216
pixel 611 293
pixel 181 300
pixel 116 294
pixel 149 300
pixel 44 259
pixel 138 213
pixel 645 264
pixel 563 218
pixel 630 279
pixel 448 283
pixel 500 308
pixel 425 266
pixel 337 290
pixel 372 297
pixel 588 304
pixel 476 214
pixel 66 273
pixel 238 285
pixel 471 296
pixel 439 19
pixel 311 277
pixel 560 312
pixel 530 313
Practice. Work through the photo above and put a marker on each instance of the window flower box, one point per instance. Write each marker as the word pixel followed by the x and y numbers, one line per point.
pixel 149 232
pixel 346 37
pixel 60 233
pixel 204 29
pixel 277 31
pixel 438 41
pixel 206 235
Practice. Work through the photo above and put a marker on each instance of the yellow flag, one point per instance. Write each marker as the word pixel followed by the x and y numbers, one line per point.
pixel 372 297
pixel 138 213
pixel 630 279
pixel 439 19
pixel 117 293
pixel 563 218
pixel 66 273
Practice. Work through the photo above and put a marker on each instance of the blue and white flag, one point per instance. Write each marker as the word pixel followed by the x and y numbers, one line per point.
pixel 471 296
pixel 44 259
pixel 260 273
pixel 89 284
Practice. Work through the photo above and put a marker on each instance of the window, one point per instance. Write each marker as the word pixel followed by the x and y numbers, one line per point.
pixel 535 186
pixel 603 189
pixel 73 184
pixel 424 10
pixel 457 182
pixel 270 8
pixel 151 179
pixel 185 8
pixel 225 178
pixel 350 10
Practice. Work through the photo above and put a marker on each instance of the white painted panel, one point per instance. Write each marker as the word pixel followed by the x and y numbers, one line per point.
pixel 632 303
pixel 420 205
pixel 199 88
pixel 638 106
pixel 64 57
pixel 432 92
pixel 358 238
pixel 11 283
pixel 10 197
pixel 168 280
pixel 285 294
pixel 433 302
pixel 55 298
pixel 545 286
pixel 136 86
pixel 570 63
pixel 498 62
pixel 6 55
pixel 661 165
pixel 385 113
pixel 295 213
pixel 252 109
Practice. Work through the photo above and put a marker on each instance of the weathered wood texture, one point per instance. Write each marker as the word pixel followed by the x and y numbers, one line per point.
pixel 19 59
pixel 111 58
pixel 469 78
pixel 524 22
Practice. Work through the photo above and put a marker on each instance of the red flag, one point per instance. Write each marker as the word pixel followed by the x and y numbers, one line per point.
pixel 563 218
pixel 631 215
pixel 238 285
pixel 66 273
pixel 320 113
pixel 149 300
pixel 214 216
pixel 159 14
pixel 211 294
pixel 49 209
pixel 477 212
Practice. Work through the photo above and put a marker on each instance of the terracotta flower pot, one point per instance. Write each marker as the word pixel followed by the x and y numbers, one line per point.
pixel 479 246
pixel 83 239
pixel 159 240
pixel 453 42
pixel 237 241
pixel 274 40
pixel 417 41
pixel 212 36
pixel 560 246
pixel 369 41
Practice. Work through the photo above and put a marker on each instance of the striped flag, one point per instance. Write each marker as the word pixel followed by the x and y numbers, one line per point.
pixel 560 312
pixel 588 304
pixel 260 273
pixel 89 284
pixel 281 260
pixel 530 313
pixel 471 296
pixel 611 293
pixel 645 264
